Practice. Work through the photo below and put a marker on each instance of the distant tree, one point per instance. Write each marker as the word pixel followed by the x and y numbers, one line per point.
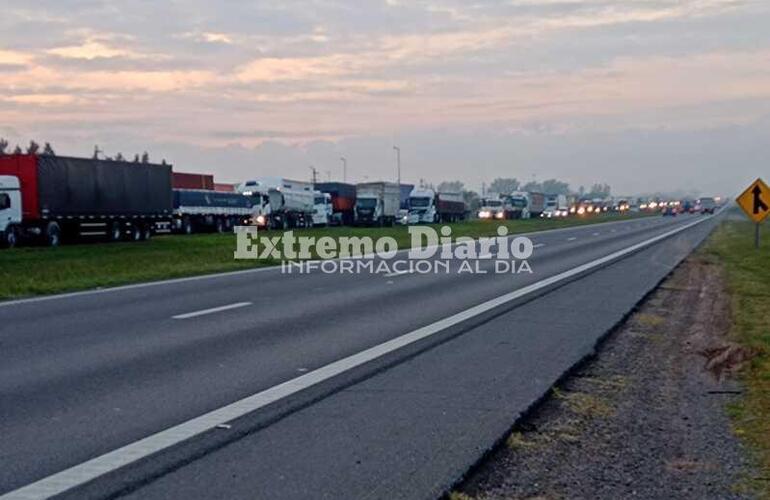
pixel 504 185
pixel 48 150
pixel 145 157
pixel 472 199
pixel 554 186
pixel 3 146
pixel 599 191
pixel 18 150
pixel 33 148
pixel 533 186
pixel 136 158
pixel 450 187
pixel 119 157
pixel 581 191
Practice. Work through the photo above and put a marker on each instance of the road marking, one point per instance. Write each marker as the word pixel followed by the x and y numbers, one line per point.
pixel 572 239
pixel 213 310
pixel 596 234
pixel 80 474
pixel 396 273
pixel 172 281
pixel 538 245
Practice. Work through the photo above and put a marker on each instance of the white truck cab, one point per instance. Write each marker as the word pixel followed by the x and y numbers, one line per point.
pixel 422 206
pixel 491 207
pixel 520 204
pixel 10 209
pixel 322 208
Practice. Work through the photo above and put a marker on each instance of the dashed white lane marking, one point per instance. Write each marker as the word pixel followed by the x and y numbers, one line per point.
pixel 213 310
pixel 89 470
pixel 396 273
pixel 538 245
pixel 572 239
pixel 596 234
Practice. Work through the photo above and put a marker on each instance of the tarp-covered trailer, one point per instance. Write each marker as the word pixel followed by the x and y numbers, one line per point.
pixel 69 197
pixel 198 210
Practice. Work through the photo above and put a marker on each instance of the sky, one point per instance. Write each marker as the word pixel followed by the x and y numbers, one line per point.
pixel 646 95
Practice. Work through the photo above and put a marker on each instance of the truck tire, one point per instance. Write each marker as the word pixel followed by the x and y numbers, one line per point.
pixel 146 232
pixel 10 237
pixel 186 225
pixel 135 232
pixel 115 233
pixel 219 225
pixel 53 234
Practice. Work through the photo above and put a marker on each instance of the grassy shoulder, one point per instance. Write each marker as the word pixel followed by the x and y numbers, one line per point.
pixel 38 271
pixel 748 275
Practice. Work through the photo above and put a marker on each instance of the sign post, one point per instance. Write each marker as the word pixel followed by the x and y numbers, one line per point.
pixel 755 201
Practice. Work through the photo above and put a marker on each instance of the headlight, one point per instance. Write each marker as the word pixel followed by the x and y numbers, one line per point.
pixel 581 211
pixel 261 220
pixel 499 215
pixel 483 214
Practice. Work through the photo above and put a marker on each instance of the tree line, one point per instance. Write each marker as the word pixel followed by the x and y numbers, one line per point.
pixel 35 149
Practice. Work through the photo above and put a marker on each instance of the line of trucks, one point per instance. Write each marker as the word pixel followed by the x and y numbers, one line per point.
pixel 50 199
pixel 523 205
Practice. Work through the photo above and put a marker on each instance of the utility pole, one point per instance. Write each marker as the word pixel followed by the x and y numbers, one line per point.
pixel 398 162
pixel 97 152
pixel 315 174
pixel 344 169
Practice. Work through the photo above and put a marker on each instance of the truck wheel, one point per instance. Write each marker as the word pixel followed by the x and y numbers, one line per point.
pixel 53 234
pixel 146 232
pixel 187 225
pixel 115 232
pixel 10 238
pixel 219 226
pixel 135 234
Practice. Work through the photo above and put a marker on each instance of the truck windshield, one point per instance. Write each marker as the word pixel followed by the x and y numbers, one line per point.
pixel 519 202
pixel 366 202
pixel 420 202
pixel 493 203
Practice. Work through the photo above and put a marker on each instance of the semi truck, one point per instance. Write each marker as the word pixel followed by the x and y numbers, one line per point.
pixel 377 203
pixel 555 206
pixel 197 210
pixel 524 205
pixel 279 203
pixel 49 198
pixel 428 206
pixel 492 206
pixel 343 201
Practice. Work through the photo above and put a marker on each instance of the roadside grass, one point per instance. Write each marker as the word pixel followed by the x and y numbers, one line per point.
pixel 31 271
pixel 748 280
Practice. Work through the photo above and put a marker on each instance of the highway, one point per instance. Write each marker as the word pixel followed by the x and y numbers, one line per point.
pixel 85 374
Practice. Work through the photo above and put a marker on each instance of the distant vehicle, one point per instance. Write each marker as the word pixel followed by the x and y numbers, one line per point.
pixel 428 206
pixel 224 187
pixel 524 204
pixel 50 198
pixel 343 201
pixel 279 203
pixel 491 207
pixel 670 211
pixel 323 210
pixel 197 210
pixel 707 205
pixel 377 203
pixel 555 206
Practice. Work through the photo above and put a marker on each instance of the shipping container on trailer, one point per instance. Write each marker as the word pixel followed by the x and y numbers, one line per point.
pixel 65 197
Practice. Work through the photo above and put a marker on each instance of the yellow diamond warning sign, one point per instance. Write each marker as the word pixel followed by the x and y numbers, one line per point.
pixel 755 201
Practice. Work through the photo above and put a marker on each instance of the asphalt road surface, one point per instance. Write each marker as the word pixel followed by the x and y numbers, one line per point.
pixel 83 375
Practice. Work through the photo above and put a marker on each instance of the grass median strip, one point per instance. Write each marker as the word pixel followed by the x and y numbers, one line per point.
pixel 748 276
pixel 34 271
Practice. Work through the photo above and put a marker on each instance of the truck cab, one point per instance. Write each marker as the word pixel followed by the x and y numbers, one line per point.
pixel 322 208
pixel 368 209
pixel 422 207
pixel 10 210
pixel 491 208
pixel 519 205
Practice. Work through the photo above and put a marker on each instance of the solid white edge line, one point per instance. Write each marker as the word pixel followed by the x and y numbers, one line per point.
pixel 276 267
pixel 213 310
pixel 87 471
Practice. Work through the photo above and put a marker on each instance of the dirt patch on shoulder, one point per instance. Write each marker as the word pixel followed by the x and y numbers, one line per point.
pixel 646 418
